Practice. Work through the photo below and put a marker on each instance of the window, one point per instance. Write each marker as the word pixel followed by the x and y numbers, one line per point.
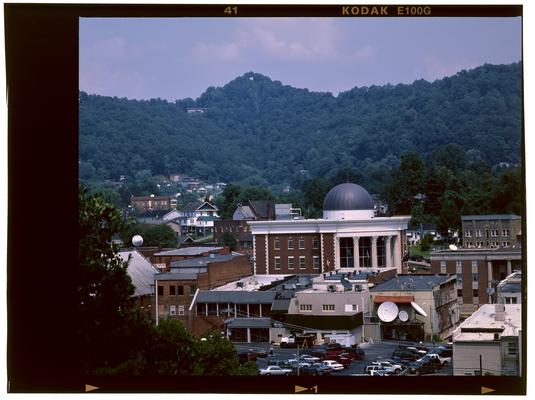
pixel 475 293
pixel 305 307
pixel 459 293
pixel 459 266
pixel 290 263
pixel 478 233
pixel 180 310
pixel 505 244
pixel 513 300
pixel 505 232
pixel 172 290
pixel 494 232
pixel 315 244
pixel 474 277
pixel 351 308
pixel 468 233
pixel 474 266
pixel 443 267
pixel 160 290
pixel 316 262
pixel 512 348
pixel 327 307
pixel 180 290
pixel 290 244
pixel 302 264
pixel 192 289
pixel 301 244
pixel 172 310
pixel 459 279
pixel 277 262
pixel 277 244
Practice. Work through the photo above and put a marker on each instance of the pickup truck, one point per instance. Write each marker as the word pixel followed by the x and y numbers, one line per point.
pixel 444 356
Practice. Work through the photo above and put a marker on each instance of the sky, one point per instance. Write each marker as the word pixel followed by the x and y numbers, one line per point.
pixel 175 58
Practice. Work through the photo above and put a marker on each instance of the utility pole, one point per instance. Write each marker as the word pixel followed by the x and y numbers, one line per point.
pixel 297 359
pixel 480 365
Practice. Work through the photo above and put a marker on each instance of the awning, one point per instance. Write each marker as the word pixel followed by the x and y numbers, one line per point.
pixel 394 299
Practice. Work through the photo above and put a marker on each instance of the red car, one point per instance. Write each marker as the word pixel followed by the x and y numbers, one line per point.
pixel 342 360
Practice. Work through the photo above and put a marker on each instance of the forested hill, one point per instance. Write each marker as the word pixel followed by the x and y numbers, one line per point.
pixel 258 131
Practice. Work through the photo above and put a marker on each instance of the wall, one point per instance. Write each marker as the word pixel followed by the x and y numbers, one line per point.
pixel 466 357
pixel 283 252
pixel 327 255
pixel 220 273
pixel 338 299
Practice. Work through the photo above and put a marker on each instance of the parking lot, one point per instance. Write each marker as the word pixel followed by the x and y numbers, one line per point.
pixel 376 351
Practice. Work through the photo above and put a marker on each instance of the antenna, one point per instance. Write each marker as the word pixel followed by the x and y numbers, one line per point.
pixel 452 247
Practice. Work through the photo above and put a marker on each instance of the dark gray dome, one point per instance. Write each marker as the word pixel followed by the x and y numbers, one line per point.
pixel 348 196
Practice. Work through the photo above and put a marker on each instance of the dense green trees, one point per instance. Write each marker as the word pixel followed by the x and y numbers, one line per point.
pixel 153 234
pixel 258 132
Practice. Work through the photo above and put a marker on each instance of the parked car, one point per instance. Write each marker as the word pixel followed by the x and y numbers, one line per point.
pixel 432 360
pixel 261 353
pixel 421 368
pixel 309 358
pixel 357 351
pixel 244 356
pixel 342 360
pixel 335 366
pixel 316 369
pixel 440 356
pixel 374 369
pixel 404 354
pixel 275 370
pixel 280 363
pixel 388 365
pixel 294 363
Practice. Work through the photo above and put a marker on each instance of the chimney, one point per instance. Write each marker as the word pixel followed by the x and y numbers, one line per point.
pixel 499 312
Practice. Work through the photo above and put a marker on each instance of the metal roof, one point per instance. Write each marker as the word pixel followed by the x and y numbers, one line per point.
pixel 348 196
pixel 249 323
pixel 489 217
pixel 141 271
pixel 236 297
pixel 203 261
pixel 511 288
pixel 188 251
pixel 170 276
pixel 412 283
pixel 281 305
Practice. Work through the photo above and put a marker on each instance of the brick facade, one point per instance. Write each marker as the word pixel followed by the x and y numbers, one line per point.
pixel 296 247
pixel 220 273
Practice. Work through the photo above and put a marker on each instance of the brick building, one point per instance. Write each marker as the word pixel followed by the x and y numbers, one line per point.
pixel 163 259
pixel 503 230
pixel 348 237
pixel 476 270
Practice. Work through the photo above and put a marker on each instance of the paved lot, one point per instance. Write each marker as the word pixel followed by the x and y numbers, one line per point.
pixel 376 351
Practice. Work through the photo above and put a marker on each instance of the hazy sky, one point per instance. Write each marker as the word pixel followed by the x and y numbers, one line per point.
pixel 175 58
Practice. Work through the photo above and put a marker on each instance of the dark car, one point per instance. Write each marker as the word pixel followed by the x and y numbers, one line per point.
pixel 404 354
pixel 342 360
pixel 316 369
pixel 318 352
pixel 434 362
pixel 421 368
pixel 244 356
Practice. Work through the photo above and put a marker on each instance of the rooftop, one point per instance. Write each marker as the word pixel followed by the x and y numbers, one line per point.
pixel 412 283
pixel 203 261
pixel 188 251
pixel 489 217
pixel 170 276
pixel 141 271
pixel 251 283
pixel 482 324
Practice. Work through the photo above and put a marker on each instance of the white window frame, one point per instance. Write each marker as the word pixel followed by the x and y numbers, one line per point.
pixel 315 244
pixel 302 262
pixel 290 242
pixel 305 307
pixel 181 310
pixel 277 263
pixel 316 262
pixel 459 267
pixel 478 233
pixel 505 232
pixel 468 233
pixel 277 244
pixel 328 308
pixel 301 242
pixel 172 310
pixel 292 258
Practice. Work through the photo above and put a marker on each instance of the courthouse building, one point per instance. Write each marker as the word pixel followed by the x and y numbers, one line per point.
pixel 348 237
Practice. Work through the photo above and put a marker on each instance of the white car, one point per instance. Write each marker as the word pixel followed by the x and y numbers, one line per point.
pixel 301 363
pixel 335 366
pixel 275 370
pixel 308 358
pixel 389 366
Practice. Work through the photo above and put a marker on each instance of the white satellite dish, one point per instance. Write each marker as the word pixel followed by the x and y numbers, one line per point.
pixel 137 240
pixel 453 247
pixel 387 311
pixel 418 309
pixel 403 316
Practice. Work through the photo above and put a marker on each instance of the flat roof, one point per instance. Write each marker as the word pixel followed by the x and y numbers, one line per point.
pixel 483 319
pixel 412 282
pixel 188 251
pixel 251 283
pixel 171 276
pixel 257 297
pixel 203 261
pixel 489 217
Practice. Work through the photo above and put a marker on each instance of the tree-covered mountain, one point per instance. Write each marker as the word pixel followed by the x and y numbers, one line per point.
pixel 257 131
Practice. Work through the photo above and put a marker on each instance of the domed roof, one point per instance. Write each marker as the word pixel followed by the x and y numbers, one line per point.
pixel 348 196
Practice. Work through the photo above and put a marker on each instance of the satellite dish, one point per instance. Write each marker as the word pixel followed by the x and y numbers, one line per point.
pixel 137 240
pixel 403 316
pixel 387 311
pixel 418 309
pixel 453 247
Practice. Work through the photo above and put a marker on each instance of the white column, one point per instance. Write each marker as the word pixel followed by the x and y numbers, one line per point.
pixel 336 253
pixel 509 268
pixel 248 335
pixel 260 308
pixel 248 310
pixel 388 251
pixel 489 272
pixel 206 309
pixel 397 253
pixel 374 251
pixel 235 311
pixel 217 309
pixel 356 262
pixel 228 309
